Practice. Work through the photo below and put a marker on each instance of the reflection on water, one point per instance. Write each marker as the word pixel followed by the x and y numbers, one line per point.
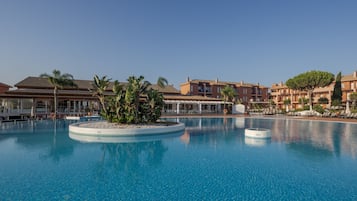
pixel 336 138
pixel 332 137
pixel 256 142
pixel 47 137
pixel 50 139
pixel 309 151
pixel 212 159
pixel 122 139
pixel 130 159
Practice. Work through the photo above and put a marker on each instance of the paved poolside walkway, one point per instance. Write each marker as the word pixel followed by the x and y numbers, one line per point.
pixel 334 119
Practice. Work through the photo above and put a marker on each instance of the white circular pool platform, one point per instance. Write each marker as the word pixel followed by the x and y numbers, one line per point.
pixel 123 139
pixel 104 131
pixel 257 133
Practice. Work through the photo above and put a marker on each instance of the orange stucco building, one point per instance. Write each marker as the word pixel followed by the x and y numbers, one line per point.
pixel 280 92
pixel 246 93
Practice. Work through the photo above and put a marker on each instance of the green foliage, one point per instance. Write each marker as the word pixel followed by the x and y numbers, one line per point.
pixel 59 80
pixel 153 106
pixel 303 101
pixel 134 104
pixel 287 102
pixel 162 82
pixel 353 98
pixel 337 91
pixel 306 107
pixel 271 102
pixel 319 109
pixel 310 80
pixel 256 106
pixel 336 102
pixel 100 86
pixel 323 100
pixel 228 94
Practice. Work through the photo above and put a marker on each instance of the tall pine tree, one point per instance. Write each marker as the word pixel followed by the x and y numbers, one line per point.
pixel 336 97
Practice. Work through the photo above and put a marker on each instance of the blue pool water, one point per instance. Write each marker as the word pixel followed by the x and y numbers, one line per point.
pixel 212 160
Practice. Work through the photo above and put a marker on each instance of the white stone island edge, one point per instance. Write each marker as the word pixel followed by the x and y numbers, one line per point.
pixel 103 128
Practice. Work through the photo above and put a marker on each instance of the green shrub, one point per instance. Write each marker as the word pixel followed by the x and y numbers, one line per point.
pixel 319 109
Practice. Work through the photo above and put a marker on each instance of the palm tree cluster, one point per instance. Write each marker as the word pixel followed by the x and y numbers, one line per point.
pixel 133 103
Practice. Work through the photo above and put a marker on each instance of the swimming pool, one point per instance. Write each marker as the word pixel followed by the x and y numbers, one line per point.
pixel 212 160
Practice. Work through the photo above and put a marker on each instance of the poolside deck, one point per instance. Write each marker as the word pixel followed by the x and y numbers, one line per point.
pixel 315 118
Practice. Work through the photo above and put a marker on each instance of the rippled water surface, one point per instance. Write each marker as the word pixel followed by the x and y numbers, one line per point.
pixel 211 160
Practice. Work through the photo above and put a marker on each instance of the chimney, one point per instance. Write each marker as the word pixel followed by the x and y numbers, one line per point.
pixel 355 74
pixel 188 79
pixel 217 80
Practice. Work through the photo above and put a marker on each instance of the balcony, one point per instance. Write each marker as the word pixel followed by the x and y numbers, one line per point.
pixel 204 92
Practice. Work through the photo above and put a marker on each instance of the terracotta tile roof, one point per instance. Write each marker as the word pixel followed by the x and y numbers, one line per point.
pixel 32 93
pixel 279 86
pixel 191 98
pixel 169 89
pixel 5 85
pixel 85 85
pixel 222 83
pixel 42 83
pixel 350 77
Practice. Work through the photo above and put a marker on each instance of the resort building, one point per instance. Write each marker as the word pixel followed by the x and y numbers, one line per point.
pixel 4 87
pixel 288 99
pixel 34 98
pixel 250 95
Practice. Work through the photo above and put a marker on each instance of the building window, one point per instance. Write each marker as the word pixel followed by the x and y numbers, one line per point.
pixel 200 89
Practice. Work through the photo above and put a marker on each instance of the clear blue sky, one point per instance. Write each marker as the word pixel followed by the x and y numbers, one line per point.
pixel 255 41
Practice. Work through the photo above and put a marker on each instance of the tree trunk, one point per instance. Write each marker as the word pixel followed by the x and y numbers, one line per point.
pixel 55 102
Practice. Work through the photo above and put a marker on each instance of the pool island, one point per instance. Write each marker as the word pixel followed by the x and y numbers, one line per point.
pixel 104 128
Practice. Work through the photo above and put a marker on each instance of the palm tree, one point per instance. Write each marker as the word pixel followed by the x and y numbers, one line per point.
pixel 119 93
pixel 162 82
pixel 58 80
pixel 228 94
pixel 287 102
pixel 100 85
pixel 134 103
pixel 155 103
pixel 353 98
pixel 137 87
